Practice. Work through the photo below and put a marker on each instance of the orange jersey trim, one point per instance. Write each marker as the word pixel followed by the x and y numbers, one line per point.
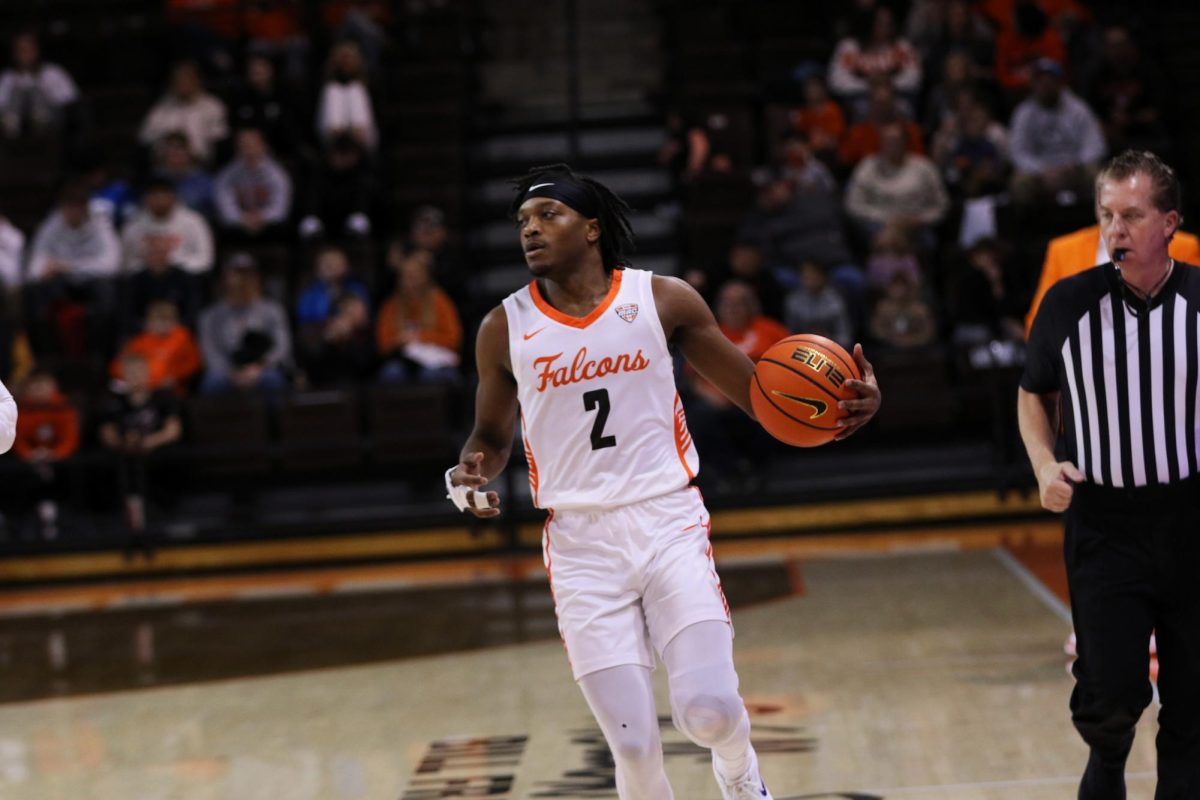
pixel 576 322
pixel 683 439
pixel 533 470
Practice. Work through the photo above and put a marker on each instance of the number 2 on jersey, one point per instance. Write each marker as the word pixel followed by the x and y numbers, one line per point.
pixel 598 399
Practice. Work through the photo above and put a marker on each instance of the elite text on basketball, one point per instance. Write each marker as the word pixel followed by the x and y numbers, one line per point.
pixel 819 363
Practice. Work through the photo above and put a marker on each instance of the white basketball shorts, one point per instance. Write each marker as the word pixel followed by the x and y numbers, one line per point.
pixel 627 579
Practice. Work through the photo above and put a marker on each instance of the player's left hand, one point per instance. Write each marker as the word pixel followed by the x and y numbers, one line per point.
pixel 869 398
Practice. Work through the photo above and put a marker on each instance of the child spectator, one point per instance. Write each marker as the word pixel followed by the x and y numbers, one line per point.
pixel 891 253
pixel 816 307
pixel 164 222
pixel 345 106
pixel 418 331
pixel 168 347
pixel 253 193
pixel 902 320
pixel 137 422
pixel 245 338
pixel 332 281
pixel 874 51
pixel 820 119
pixel 193 185
pixel 47 435
pixel 35 96
pixel 187 108
pixel 339 192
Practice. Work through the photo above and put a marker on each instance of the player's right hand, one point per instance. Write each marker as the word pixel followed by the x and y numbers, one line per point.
pixel 1056 483
pixel 467 474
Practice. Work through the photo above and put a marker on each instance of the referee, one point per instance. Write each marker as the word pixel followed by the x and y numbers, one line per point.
pixel 1114 351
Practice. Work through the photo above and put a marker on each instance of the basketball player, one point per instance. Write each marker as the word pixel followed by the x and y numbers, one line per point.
pixel 8 419
pixel 582 354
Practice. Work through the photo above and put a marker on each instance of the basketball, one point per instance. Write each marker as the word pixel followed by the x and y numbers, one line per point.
pixel 796 388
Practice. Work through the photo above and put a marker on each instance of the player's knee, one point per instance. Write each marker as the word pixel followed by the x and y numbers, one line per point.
pixel 635 751
pixel 708 720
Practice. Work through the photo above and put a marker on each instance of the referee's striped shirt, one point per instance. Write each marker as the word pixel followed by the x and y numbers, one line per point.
pixel 1127 373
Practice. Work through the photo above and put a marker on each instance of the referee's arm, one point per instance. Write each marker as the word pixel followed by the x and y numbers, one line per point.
pixel 1037 415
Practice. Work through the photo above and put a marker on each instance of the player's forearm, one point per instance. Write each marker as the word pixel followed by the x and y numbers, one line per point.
pixel 496 451
pixel 1037 418
pixel 731 378
pixel 737 387
pixel 723 365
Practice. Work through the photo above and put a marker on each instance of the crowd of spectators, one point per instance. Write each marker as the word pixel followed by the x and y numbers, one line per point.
pixel 236 253
pixel 875 216
pixel 893 180
pixel 892 166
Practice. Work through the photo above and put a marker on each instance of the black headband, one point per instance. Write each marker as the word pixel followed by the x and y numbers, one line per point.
pixel 565 190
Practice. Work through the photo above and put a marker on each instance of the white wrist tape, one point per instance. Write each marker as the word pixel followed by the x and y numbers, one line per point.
pixel 464 497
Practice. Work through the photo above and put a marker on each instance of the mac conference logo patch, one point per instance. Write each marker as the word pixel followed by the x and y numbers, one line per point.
pixel 627 312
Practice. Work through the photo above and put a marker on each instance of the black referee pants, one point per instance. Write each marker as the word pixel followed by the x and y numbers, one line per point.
pixel 1133 567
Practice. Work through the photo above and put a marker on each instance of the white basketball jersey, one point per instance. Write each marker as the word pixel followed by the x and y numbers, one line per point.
pixel 602 421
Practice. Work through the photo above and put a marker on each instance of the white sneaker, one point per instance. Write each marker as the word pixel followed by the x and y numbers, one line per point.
pixel 749 786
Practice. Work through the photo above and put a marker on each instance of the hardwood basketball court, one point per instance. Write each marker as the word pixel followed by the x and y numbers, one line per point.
pixel 901 670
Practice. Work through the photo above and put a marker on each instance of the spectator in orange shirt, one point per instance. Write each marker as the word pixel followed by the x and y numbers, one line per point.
pixel 821 120
pixel 866 139
pixel 1019 45
pixel 730 440
pixel 418 330
pixel 169 348
pixel 47 435
pixel 1063 14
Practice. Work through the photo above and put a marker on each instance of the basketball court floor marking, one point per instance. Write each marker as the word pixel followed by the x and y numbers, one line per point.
pixel 1039 589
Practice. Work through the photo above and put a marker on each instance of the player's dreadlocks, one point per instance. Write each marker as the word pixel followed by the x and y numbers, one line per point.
pixel 616 234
